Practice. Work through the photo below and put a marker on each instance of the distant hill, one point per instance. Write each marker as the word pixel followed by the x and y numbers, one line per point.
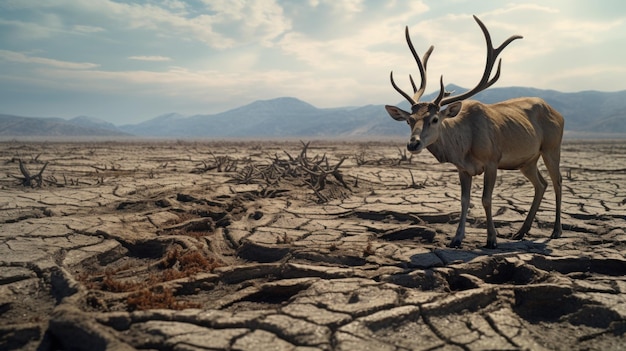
pixel 14 126
pixel 155 126
pixel 91 122
pixel 281 117
pixel 585 111
pixel 587 114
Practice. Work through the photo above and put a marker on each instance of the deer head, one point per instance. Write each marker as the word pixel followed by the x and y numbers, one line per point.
pixel 426 118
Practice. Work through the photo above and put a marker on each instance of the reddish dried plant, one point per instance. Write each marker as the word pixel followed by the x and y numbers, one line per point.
pixel 162 298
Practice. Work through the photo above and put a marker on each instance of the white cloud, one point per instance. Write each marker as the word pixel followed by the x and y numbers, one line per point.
pixel 175 5
pixel 150 58
pixel 12 56
pixel 221 25
pixel 248 21
pixel 329 53
pixel 87 29
pixel 28 30
pixel 345 8
pixel 355 47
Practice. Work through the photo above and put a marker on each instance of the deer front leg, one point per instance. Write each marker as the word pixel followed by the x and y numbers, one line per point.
pixel 491 172
pixel 466 187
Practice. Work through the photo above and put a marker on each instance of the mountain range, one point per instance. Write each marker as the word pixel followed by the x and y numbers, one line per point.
pixel 587 114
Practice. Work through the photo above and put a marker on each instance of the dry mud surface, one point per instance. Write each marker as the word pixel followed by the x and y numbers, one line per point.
pixel 275 245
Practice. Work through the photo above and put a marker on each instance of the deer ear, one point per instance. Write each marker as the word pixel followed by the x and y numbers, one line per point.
pixel 453 109
pixel 397 113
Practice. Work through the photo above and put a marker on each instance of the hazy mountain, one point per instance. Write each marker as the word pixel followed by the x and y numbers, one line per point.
pixel 92 122
pixel 40 126
pixel 281 117
pixel 156 126
pixel 587 113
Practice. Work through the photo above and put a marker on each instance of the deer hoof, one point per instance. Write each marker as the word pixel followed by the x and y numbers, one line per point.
pixel 492 245
pixel 455 243
pixel 518 236
pixel 556 234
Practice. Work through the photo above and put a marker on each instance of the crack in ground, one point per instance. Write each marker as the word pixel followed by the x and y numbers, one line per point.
pixel 492 323
pixel 440 335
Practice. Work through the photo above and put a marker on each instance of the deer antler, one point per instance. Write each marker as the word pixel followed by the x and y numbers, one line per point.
pixel 485 82
pixel 422 68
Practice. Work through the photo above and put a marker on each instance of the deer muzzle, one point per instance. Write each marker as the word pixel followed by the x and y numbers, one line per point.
pixel 414 145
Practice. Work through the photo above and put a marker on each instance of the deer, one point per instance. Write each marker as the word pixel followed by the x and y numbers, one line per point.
pixel 481 138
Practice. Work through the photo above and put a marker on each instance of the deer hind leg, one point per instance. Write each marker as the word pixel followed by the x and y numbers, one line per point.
pixel 491 172
pixel 466 187
pixel 551 160
pixel 531 172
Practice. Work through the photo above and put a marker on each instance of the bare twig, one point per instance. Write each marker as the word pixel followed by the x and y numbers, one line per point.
pixel 415 185
pixel 404 157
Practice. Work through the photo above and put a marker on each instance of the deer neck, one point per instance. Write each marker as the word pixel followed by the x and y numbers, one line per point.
pixel 437 150
pixel 448 148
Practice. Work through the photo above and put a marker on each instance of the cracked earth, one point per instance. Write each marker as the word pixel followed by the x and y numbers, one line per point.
pixel 195 246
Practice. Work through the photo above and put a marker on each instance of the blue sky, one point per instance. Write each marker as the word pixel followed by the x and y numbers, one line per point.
pixel 129 61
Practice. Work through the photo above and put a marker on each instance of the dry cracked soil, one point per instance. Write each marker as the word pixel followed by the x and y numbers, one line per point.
pixel 285 245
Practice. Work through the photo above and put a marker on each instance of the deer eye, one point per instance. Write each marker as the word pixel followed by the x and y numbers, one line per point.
pixel 434 120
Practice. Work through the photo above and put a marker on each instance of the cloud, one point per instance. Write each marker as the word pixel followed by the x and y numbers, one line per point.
pixel 12 56
pixel 351 43
pixel 22 30
pixel 150 58
pixel 346 8
pixel 87 29
pixel 219 24
pixel 329 53
pixel 243 22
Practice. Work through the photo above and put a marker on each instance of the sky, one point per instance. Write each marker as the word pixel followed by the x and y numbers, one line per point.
pixel 129 61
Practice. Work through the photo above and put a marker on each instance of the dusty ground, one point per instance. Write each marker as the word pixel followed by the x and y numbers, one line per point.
pixel 338 246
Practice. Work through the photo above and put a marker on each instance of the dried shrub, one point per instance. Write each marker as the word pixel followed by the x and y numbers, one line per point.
pixel 113 285
pixel 188 262
pixel 161 299
pixel 314 172
pixel 172 274
pixel 175 264
pixel 219 163
pixel 86 279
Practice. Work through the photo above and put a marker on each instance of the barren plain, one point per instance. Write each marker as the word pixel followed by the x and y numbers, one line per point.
pixel 289 245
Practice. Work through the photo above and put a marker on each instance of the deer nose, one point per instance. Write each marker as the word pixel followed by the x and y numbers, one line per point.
pixel 413 144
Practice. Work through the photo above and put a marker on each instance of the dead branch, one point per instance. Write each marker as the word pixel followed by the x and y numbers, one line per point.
pixel 219 163
pixel 415 185
pixel 301 169
pixel 28 179
pixel 404 157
